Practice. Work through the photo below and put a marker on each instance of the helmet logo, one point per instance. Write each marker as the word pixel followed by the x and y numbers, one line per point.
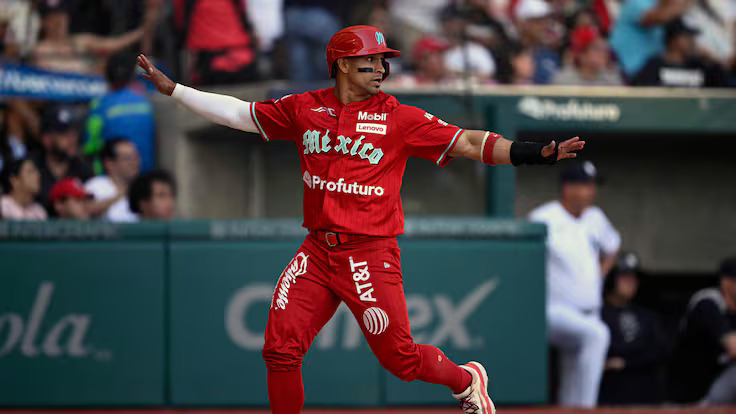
pixel 379 38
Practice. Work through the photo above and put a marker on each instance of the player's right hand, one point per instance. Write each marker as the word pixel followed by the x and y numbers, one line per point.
pixel 162 82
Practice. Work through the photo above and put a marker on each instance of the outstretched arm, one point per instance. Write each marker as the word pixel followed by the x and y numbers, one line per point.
pixel 221 109
pixel 493 149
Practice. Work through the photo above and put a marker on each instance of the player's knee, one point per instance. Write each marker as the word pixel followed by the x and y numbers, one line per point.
pixel 278 360
pixel 281 358
pixel 403 361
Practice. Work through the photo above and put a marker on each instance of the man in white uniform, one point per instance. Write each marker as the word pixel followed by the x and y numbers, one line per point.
pixel 122 164
pixel 581 248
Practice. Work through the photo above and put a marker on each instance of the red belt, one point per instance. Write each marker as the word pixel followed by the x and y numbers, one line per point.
pixel 333 238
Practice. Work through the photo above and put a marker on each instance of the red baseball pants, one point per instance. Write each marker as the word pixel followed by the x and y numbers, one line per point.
pixel 366 275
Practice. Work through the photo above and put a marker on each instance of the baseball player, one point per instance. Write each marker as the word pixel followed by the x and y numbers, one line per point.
pixel 353 142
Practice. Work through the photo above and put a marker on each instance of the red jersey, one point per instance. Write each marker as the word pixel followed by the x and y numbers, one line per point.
pixel 353 156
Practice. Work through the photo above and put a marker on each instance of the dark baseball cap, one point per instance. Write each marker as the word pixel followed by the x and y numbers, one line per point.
pixel 728 268
pixel 627 262
pixel 678 27
pixel 58 118
pixel 580 172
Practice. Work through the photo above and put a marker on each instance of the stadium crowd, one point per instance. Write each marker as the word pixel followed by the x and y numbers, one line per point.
pixel 96 158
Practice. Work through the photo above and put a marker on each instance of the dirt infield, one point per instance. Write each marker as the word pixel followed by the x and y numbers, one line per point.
pixel 397 410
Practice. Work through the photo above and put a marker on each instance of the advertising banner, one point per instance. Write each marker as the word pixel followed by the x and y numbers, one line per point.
pixel 81 322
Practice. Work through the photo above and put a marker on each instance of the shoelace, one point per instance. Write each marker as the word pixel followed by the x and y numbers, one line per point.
pixel 469 407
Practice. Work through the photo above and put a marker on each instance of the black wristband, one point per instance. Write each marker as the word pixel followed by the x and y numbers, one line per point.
pixel 530 153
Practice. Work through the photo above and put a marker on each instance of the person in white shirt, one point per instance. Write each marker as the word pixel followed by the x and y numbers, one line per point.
pixel 581 248
pixel 122 164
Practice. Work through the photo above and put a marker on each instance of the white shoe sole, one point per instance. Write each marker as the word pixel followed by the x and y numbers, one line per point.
pixel 489 407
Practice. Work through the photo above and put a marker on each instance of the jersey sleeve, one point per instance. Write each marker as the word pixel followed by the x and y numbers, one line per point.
pixel 426 136
pixel 275 119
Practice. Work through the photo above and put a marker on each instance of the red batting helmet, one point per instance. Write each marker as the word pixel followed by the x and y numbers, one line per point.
pixel 357 41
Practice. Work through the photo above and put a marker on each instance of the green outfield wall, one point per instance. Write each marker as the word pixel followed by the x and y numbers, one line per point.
pixel 149 314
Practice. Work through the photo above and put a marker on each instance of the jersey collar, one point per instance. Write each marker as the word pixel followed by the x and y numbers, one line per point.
pixel 330 100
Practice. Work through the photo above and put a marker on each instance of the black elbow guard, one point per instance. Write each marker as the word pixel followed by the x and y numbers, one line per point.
pixel 530 153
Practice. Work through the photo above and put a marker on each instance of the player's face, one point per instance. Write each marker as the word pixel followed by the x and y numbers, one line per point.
pixel 56 24
pixel 728 286
pixel 685 44
pixel 597 55
pixel 581 195
pixel 369 82
pixel 29 179
pixel 627 285
pixel 65 142
pixel 162 203
pixel 127 160
pixel 433 65
pixel 523 65
pixel 73 208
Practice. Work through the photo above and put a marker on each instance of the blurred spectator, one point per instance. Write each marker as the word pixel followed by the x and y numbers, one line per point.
pixel 428 58
pixel 703 368
pixel 21 182
pixel 122 165
pixel 12 137
pixel 715 22
pixel 465 58
pixel 23 26
pixel 415 19
pixel 581 19
pixel 60 140
pixel 61 51
pixel 518 67
pixel 581 248
pixel 535 26
pixel 307 42
pixel 605 12
pixel 70 200
pixel 591 61
pixel 218 38
pixel 153 196
pixel 638 32
pixel 267 18
pixel 428 62
pixel 679 64
pixel 634 368
pixel 482 26
pixel 123 112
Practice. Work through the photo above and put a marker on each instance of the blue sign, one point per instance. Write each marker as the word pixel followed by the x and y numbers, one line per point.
pixel 28 82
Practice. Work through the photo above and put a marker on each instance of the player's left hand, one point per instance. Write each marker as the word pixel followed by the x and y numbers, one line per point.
pixel 162 82
pixel 566 149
